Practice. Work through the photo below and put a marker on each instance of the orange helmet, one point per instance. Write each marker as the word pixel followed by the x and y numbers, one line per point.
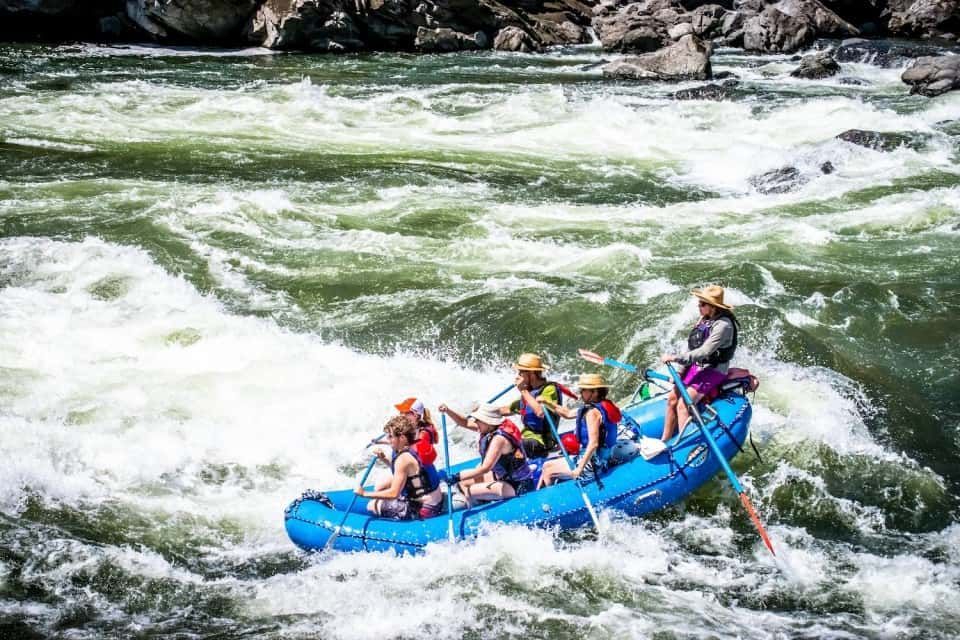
pixel 570 443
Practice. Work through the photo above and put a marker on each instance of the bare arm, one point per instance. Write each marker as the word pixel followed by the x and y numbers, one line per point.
pixel 459 420
pixel 497 447
pixel 404 467
pixel 594 420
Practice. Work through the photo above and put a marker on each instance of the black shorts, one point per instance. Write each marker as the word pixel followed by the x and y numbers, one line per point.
pixel 535 449
pixel 522 486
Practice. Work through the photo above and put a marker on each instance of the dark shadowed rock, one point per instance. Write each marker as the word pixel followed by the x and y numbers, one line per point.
pixel 931 76
pixel 690 5
pixel 827 168
pixel 56 19
pixel 687 59
pixel 879 141
pixel 515 39
pixel 713 91
pixel 215 21
pixel 854 82
pixel 723 75
pixel 816 66
pixel 790 25
pixel 779 180
pixel 885 53
pixel 923 18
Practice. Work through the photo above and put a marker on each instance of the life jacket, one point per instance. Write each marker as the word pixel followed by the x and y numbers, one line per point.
pixel 610 417
pixel 424 482
pixel 700 333
pixel 511 466
pixel 538 424
pixel 424 443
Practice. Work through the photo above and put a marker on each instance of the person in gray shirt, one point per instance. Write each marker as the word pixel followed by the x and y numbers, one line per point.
pixel 711 345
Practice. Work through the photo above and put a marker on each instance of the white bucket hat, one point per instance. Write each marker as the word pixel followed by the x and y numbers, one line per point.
pixel 488 414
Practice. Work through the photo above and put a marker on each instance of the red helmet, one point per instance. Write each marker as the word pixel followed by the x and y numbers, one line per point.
pixel 570 443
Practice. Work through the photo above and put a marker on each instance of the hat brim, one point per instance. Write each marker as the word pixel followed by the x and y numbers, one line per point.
pixel 713 303
pixel 592 386
pixel 484 419
pixel 518 367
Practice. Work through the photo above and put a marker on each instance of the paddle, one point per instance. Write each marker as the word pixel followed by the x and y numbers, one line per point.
pixel 336 532
pixel 744 499
pixel 501 394
pixel 596 358
pixel 583 493
pixel 446 464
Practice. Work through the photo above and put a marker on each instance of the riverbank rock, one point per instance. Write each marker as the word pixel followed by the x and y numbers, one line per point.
pixel 790 25
pixel 687 59
pixel 923 18
pixel 314 25
pixel 932 76
pixel 56 19
pixel 445 40
pixel 816 66
pixel 515 39
pixel 213 21
pixel 636 27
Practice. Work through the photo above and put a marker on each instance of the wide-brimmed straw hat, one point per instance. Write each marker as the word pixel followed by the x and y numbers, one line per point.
pixel 530 362
pixel 488 414
pixel 712 295
pixel 411 405
pixel 591 381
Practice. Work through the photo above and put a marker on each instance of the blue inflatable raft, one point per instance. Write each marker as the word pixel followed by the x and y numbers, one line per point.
pixel 635 487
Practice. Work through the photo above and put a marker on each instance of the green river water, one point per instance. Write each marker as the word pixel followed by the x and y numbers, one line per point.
pixel 219 270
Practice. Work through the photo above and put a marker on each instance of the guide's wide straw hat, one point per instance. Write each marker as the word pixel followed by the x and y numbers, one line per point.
pixel 712 295
pixel 530 362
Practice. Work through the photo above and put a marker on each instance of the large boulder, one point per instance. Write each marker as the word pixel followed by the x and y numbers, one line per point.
pixel 931 76
pixel 816 66
pixel 687 59
pixel 515 39
pixel 923 18
pixel 879 140
pixel 717 92
pixel 790 25
pixel 312 25
pixel 639 26
pixel 55 19
pixel 213 21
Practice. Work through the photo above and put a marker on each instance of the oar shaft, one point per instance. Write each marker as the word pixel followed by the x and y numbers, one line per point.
pixel 446 464
pixel 336 532
pixel 715 448
pixel 501 394
pixel 583 493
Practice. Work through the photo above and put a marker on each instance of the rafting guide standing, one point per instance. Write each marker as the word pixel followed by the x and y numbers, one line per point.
pixel 710 347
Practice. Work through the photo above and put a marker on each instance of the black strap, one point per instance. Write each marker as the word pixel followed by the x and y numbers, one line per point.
pixel 755 450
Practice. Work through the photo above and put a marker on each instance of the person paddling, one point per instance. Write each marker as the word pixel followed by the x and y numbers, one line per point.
pixel 535 391
pixel 596 432
pixel 419 416
pixel 413 490
pixel 711 345
pixel 503 471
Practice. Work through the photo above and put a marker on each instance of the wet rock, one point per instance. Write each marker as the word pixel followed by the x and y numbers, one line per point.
pixel 884 53
pixel 854 82
pixel 932 76
pixel 790 25
pixel 313 25
pixel 827 168
pixel 923 18
pixel 779 180
pixel 206 21
pixel 713 91
pixel 690 5
pixel 687 59
pixel 515 39
pixel 723 75
pixel 879 141
pixel 816 66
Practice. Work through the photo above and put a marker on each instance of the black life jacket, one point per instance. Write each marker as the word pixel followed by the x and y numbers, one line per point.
pixel 700 333
pixel 510 466
pixel 423 483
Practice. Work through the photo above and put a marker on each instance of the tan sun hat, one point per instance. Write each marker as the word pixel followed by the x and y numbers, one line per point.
pixel 712 295
pixel 487 413
pixel 591 381
pixel 530 362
